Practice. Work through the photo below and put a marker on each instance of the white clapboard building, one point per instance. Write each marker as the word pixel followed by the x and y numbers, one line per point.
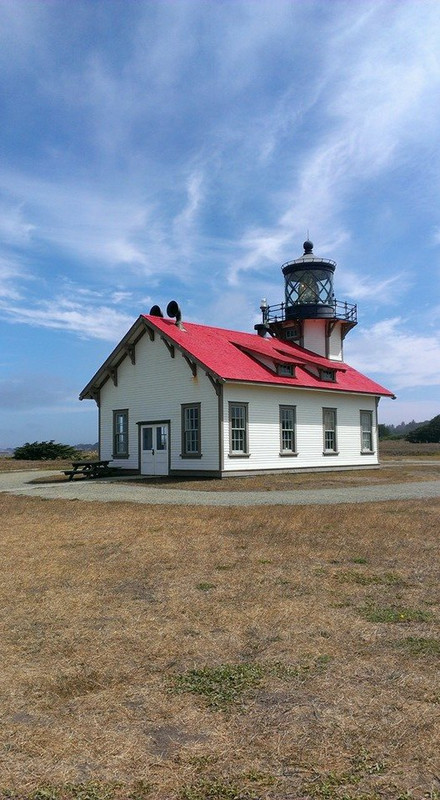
pixel 176 398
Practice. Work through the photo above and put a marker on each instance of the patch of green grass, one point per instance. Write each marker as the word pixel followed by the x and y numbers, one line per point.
pixel 395 614
pixel 228 684
pixel 205 587
pixel 328 786
pixel 420 646
pixel 139 790
pixel 366 579
pixel 262 778
pixel 359 560
pixel 220 686
pixel 213 790
pixel 77 791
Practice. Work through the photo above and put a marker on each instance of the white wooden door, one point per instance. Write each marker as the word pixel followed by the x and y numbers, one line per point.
pixel 154 449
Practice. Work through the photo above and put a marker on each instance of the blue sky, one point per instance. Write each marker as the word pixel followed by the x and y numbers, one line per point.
pixel 159 150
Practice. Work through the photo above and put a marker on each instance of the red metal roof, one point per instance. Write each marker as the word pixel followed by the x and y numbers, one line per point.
pixel 233 356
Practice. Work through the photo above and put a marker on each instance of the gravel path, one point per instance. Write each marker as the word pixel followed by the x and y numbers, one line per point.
pixel 107 491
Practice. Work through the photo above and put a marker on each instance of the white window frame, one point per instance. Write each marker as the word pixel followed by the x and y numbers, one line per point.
pixel 329 429
pixel 366 431
pixel 191 430
pixel 243 429
pixel 287 431
pixel 120 433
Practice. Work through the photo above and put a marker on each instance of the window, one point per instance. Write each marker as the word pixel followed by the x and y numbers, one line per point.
pixel 287 429
pixel 327 374
pixel 191 431
pixel 292 332
pixel 329 425
pixel 286 370
pixel 120 433
pixel 367 431
pixel 238 434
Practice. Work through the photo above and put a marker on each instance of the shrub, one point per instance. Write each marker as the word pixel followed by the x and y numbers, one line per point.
pixel 44 451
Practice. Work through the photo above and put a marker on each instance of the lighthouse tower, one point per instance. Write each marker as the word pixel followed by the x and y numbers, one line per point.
pixel 310 315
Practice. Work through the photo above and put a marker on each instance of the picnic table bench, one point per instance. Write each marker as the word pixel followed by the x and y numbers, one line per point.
pixel 89 469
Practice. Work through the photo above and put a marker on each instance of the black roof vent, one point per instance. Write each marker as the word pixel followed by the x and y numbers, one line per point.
pixel 173 310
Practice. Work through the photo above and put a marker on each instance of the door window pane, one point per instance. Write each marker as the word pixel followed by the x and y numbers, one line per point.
pixel 161 437
pixel 147 438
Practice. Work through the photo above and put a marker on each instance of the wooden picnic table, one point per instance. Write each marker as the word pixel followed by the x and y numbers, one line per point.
pixel 89 469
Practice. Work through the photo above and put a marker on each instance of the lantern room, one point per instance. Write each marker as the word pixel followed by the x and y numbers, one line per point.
pixel 309 286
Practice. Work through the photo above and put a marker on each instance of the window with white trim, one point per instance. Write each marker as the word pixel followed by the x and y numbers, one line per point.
pixel 191 430
pixel 238 428
pixel 366 431
pixel 287 429
pixel 120 433
pixel 329 429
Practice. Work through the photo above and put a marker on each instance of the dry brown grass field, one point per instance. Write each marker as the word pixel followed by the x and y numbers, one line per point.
pixel 391 448
pixel 388 473
pixel 187 653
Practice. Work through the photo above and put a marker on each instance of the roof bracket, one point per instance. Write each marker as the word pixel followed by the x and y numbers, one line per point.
pixel 94 395
pixel 216 384
pixel 192 364
pixel 131 352
pixel 169 346
pixel 150 332
pixel 113 372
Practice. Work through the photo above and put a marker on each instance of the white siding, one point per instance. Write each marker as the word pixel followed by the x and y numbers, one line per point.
pixel 314 338
pixel 314 335
pixel 153 389
pixel 335 343
pixel 264 438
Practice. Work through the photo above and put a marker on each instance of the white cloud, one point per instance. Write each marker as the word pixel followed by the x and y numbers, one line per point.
pixel 401 358
pixel 14 229
pixel 363 287
pixel 93 322
pixel 12 274
pixel 378 102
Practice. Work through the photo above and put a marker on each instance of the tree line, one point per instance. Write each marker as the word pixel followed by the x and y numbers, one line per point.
pixel 416 432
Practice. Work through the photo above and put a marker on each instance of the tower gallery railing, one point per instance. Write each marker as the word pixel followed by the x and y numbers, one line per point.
pixel 342 310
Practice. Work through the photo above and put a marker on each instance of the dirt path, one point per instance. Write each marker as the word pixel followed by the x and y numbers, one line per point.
pixel 108 491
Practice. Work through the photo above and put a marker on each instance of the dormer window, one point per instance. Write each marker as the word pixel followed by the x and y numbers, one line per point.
pixel 327 374
pixel 286 370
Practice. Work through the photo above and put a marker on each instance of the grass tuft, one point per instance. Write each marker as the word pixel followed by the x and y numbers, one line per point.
pixel 214 790
pixel 367 579
pixel 395 614
pixel 420 646
pixel 228 684
pixel 220 686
